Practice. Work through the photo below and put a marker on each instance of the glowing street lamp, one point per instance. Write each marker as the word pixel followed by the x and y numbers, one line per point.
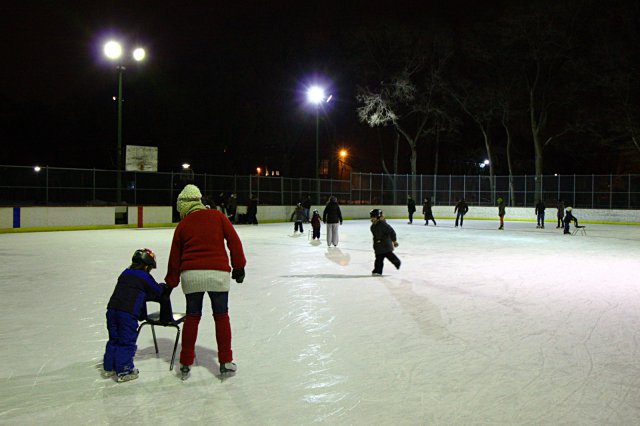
pixel 113 50
pixel 316 96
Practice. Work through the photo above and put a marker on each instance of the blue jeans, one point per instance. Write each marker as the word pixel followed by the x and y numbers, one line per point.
pixel 219 302
pixel 541 219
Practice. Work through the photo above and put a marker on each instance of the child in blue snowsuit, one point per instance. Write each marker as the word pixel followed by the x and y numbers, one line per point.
pixel 128 304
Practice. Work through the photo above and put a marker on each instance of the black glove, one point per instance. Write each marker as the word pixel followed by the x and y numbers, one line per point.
pixel 238 275
pixel 166 290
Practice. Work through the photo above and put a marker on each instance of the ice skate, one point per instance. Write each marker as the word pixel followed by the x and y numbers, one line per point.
pixel 128 375
pixel 185 371
pixel 107 374
pixel 376 274
pixel 227 368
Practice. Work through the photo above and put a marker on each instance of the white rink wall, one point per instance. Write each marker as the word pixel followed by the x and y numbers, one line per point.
pixel 66 218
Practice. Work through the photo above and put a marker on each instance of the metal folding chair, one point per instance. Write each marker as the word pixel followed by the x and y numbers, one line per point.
pixel 579 229
pixel 154 320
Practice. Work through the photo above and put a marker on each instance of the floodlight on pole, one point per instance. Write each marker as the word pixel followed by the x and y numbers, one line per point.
pixel 113 50
pixel 316 96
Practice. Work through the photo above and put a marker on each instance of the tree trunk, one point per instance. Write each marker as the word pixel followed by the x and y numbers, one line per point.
pixel 537 147
pixel 512 195
pixel 487 145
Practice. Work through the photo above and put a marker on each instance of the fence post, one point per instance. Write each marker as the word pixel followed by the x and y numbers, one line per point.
pixel 135 189
pixel 525 191
pixel 464 186
pixel 610 191
pixel 449 190
pixel 479 191
pixel 629 192
pixel 282 191
pixel 171 191
pixel 592 189
pixel 46 185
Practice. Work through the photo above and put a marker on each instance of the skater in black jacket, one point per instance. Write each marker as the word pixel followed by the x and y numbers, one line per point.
pixel 384 241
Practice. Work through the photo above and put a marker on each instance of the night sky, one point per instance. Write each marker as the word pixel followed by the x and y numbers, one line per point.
pixel 222 87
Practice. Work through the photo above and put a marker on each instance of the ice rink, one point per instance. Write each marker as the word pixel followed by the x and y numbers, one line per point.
pixel 479 326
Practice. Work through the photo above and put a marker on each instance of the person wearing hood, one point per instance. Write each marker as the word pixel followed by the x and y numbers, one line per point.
pixel 199 261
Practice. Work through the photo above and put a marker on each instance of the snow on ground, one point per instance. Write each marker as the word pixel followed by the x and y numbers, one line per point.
pixel 479 326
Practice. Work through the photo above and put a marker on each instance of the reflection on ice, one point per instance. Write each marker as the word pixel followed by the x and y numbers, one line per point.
pixel 521 326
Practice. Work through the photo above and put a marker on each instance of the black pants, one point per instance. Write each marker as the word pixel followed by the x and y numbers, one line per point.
pixel 410 217
pixel 377 266
pixel 461 217
pixel 297 224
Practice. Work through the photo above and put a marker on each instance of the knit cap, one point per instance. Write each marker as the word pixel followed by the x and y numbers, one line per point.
pixel 189 200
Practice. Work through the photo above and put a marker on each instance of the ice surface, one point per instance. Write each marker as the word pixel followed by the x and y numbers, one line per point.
pixel 479 326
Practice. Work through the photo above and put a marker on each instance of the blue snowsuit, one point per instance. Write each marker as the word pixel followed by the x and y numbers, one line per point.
pixel 126 306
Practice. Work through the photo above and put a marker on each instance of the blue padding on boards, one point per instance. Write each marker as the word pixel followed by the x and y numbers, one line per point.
pixel 16 217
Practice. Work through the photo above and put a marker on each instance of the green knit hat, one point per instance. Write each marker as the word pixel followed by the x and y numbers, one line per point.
pixel 189 200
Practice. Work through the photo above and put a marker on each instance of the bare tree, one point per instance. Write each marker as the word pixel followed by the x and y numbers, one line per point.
pixel 410 102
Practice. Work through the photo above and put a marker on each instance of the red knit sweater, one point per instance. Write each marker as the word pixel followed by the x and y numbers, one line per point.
pixel 198 243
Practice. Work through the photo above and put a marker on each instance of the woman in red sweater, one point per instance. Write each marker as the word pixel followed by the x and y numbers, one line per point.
pixel 199 260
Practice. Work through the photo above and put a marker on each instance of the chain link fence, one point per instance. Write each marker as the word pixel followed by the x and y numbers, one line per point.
pixel 24 186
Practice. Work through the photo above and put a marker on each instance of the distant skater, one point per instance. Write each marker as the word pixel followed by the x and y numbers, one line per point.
pixel 411 207
pixel 384 241
pixel 332 216
pixel 315 225
pixel 298 216
pixel 560 213
pixel 427 212
pixel 501 212
pixel 568 218
pixel 540 207
pixel 461 209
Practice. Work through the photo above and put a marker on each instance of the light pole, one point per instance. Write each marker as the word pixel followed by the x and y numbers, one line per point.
pixel 316 96
pixel 113 51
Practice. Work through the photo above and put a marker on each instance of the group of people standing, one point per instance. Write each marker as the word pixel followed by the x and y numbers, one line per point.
pixel 331 216
pixel 426 210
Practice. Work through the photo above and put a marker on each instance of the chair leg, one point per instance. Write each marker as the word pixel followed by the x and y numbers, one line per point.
pixel 155 342
pixel 175 347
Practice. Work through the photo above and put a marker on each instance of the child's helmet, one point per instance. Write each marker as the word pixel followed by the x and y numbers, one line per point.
pixel 375 213
pixel 316 211
pixel 144 256
pixel 569 208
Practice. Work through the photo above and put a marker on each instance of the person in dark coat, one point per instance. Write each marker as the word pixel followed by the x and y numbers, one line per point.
pixel 540 208
pixel 427 212
pixel 252 210
pixel 315 225
pixel 568 218
pixel 232 207
pixel 126 306
pixel 306 205
pixel 560 213
pixel 411 207
pixel 461 209
pixel 332 216
pixel 502 210
pixel 384 241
